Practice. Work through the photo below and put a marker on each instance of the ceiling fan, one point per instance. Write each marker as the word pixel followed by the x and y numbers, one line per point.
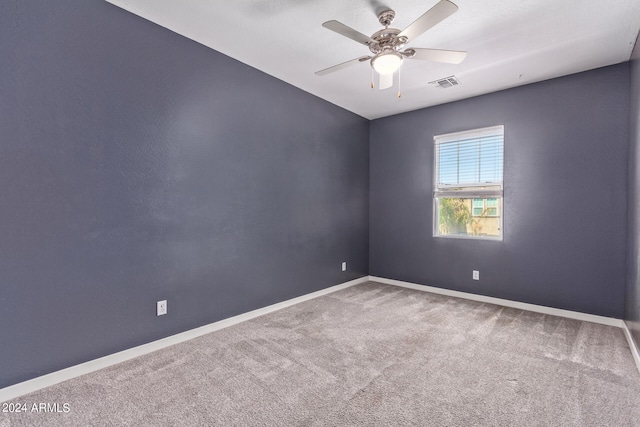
pixel 386 45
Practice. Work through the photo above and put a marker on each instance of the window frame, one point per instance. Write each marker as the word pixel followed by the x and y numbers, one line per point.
pixel 492 190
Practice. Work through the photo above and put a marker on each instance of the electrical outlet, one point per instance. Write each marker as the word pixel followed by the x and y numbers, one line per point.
pixel 476 275
pixel 161 307
pixel 344 266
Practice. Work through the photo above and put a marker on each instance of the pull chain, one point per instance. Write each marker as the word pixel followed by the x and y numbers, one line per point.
pixel 399 91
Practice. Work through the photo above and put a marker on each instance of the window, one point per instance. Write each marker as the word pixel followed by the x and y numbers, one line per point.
pixel 485 207
pixel 478 207
pixel 468 188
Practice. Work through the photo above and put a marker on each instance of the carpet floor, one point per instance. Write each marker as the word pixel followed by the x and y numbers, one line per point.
pixel 368 355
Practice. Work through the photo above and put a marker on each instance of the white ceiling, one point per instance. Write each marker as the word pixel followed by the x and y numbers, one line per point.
pixel 509 43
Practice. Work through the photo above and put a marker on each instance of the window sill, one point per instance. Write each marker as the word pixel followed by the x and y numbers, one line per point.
pixel 468 237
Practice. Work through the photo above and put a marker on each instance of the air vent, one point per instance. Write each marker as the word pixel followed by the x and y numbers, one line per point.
pixel 446 82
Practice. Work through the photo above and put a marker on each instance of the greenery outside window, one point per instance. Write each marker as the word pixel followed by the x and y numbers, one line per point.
pixel 468 189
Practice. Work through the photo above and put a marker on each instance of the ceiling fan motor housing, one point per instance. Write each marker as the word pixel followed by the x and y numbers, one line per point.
pixel 387 39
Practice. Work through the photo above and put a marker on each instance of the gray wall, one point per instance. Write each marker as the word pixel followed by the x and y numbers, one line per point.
pixel 137 165
pixel 632 308
pixel 565 185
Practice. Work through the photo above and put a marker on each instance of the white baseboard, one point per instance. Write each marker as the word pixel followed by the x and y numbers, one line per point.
pixel 632 345
pixel 505 303
pixel 26 387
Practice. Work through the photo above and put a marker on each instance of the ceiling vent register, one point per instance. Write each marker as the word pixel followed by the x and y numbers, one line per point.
pixel 446 82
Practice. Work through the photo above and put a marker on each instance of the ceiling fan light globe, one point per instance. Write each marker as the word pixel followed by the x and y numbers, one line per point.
pixel 387 62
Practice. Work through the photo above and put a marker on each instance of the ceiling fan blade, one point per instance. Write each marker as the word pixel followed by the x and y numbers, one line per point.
pixel 341 66
pixel 429 19
pixel 347 31
pixel 436 55
pixel 385 82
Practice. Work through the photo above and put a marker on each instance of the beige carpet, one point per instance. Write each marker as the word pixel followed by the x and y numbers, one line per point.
pixel 373 355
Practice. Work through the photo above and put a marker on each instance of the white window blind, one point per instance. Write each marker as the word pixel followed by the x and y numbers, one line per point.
pixel 469 159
